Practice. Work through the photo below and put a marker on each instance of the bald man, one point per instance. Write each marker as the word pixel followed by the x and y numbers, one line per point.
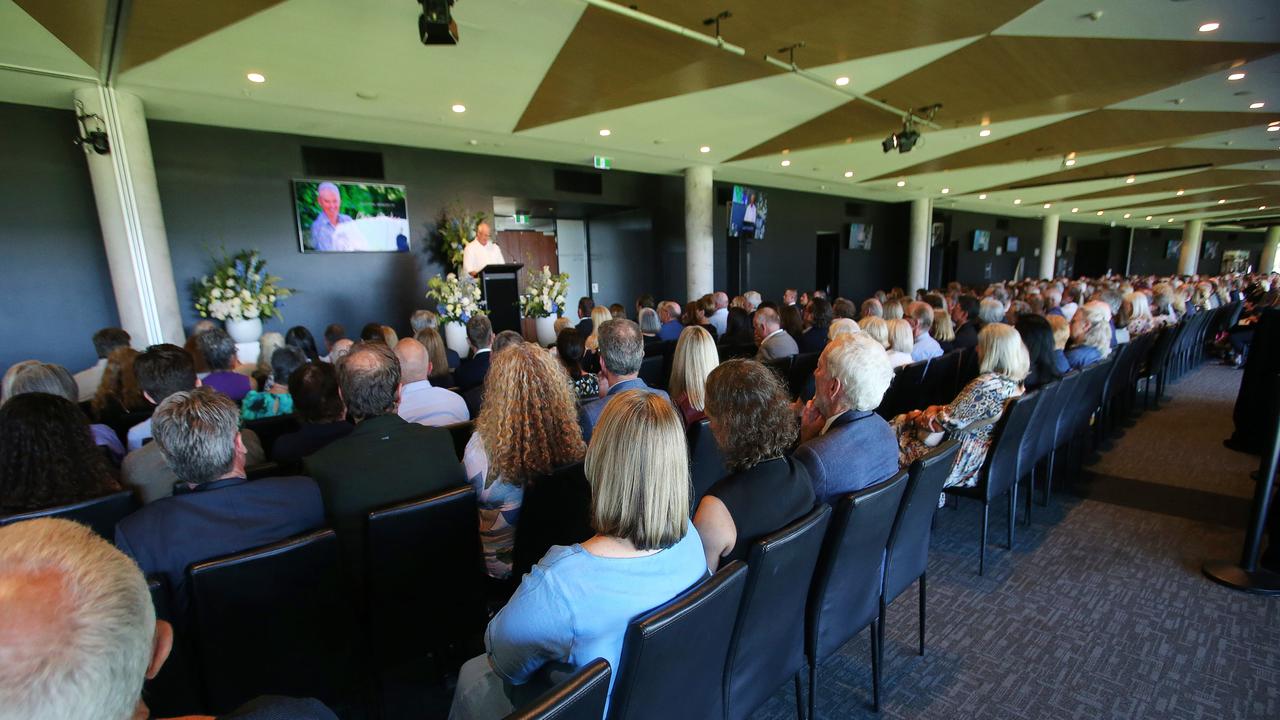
pixel 481 252
pixel 420 402
pixel 774 342
pixel 720 318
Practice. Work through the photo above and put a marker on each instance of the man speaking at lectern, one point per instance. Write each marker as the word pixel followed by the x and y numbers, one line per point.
pixel 481 252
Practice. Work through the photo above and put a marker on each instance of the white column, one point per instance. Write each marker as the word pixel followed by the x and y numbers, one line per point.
pixel 128 201
pixel 1189 258
pixel 699 246
pixel 1269 247
pixel 1048 246
pixel 918 250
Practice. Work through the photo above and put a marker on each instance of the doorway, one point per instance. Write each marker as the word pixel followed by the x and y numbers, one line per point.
pixel 534 249
pixel 827 264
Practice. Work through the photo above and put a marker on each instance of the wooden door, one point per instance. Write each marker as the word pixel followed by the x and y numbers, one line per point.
pixel 533 249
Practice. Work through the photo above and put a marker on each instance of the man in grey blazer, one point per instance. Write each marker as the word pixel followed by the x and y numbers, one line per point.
pixel 774 342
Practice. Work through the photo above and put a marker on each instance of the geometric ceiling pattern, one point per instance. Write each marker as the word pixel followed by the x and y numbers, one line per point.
pixel 1111 111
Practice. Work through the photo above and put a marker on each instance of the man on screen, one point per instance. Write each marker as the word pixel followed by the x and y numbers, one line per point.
pixel 481 252
pixel 330 202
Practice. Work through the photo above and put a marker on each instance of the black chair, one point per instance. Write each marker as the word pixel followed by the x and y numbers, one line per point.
pixel 1037 441
pixel 706 464
pixel 800 376
pixel 940 379
pixel 556 510
pixel 175 690
pixel 461 434
pixel 662 347
pixel 673 657
pixel 272 621
pixel 122 423
pixel 768 638
pixel 737 351
pixel 651 371
pixel 415 550
pixel 581 696
pixel 845 594
pixel 101 513
pixel 781 367
pixel 999 473
pixel 966 371
pixel 907 555
pixel 905 392
pixel 270 428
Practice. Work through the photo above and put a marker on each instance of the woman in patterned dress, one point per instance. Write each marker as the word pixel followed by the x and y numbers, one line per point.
pixel 1003 363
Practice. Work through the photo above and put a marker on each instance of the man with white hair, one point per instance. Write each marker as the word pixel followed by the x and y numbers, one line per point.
pixel 844 444
pixel 775 343
pixel 79 635
pixel 990 310
pixel 920 317
pixel 481 252
pixel 329 218
pixel 420 402
pixel 720 318
pixel 753 300
pixel 669 316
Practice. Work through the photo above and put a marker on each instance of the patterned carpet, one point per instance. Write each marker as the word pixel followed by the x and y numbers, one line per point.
pixel 1100 611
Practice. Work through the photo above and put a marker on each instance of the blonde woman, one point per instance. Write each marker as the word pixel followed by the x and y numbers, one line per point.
pixel 599 316
pixel 841 327
pixel 1139 309
pixel 876 329
pixel 694 360
pixel 901 342
pixel 528 425
pixel 1090 335
pixel 1003 364
pixel 574 605
pixel 943 330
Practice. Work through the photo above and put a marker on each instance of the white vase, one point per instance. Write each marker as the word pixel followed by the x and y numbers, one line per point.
pixel 245 331
pixel 455 337
pixel 546 331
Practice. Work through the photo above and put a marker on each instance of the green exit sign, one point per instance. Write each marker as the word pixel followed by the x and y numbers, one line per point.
pixel 603 163
pixel 522 219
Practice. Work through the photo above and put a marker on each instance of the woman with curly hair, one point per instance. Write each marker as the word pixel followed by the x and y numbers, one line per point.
pixel 752 422
pixel 47 455
pixel 119 392
pixel 528 425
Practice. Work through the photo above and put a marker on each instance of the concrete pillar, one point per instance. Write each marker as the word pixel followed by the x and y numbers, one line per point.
pixel 1269 247
pixel 1048 246
pixel 128 201
pixel 918 250
pixel 699 246
pixel 1189 258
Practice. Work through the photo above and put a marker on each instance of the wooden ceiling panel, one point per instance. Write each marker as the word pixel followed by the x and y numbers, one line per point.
pixel 838 31
pixel 610 61
pixel 159 26
pixel 1097 131
pixel 1208 196
pixel 77 23
pixel 848 123
pixel 1003 77
pixel 1207 178
pixel 1160 160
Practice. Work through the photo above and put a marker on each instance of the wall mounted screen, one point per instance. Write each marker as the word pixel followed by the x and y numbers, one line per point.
pixel 338 216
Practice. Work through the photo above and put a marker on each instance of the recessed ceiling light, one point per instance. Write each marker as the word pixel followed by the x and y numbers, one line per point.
pixel 1127 216
pixel 1169 220
pixel 848 173
pixel 1236 76
pixel 1129 180
pixel 1209 27
pixel 1221 202
pixel 1179 193
pixel 1273 128
pixel 842 81
pixel 946 190
pixel 1262 207
pixel 1069 162
pixel 984 132
pixel 1257 105
pixel 786 163
pixel 983 196
pixel 1148 217
pixel 704 149
pixel 1048 205
pixel 902 183
pixel 1098 213
pixel 256 77
pixel 1273 123
pixel 459 108
pixel 1075 209
pixel 1018 201
pixel 605 132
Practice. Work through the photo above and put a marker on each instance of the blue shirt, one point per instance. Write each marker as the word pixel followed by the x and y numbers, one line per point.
pixel 670 330
pixel 1060 362
pixel 574 607
pixel 591 411
pixel 1082 356
pixel 322 231
pixel 925 348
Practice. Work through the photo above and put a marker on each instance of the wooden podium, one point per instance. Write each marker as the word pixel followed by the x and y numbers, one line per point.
pixel 501 288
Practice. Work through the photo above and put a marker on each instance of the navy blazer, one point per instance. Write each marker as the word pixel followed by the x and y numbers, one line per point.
pixel 471 372
pixel 218 518
pixel 857 451
pixel 590 413
pixel 814 339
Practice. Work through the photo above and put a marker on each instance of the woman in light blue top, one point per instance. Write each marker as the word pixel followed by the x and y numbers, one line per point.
pixel 574 606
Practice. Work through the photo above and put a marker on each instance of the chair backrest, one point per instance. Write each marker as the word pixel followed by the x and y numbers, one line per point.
pixel 1089 392
pixel 781 367
pixel 413 550
pixel 767 647
pixel 1043 421
pixel 905 392
pixel 674 655
pixel 907 554
pixel 556 510
pixel 1000 468
pixel 461 435
pixel 845 593
pixel 665 347
pixel 581 696
pixel 651 371
pixel 272 621
pixel 101 513
pixel 1063 424
pixel 800 376
pixel 175 690
pixel 270 428
pixel 966 370
pixel 939 382
pixel 706 464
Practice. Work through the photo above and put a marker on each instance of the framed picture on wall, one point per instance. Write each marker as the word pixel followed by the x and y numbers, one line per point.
pixel 1210 251
pixel 1172 248
pixel 938 234
pixel 340 216
pixel 859 236
pixel 1011 243
pixel 981 240
pixel 1235 261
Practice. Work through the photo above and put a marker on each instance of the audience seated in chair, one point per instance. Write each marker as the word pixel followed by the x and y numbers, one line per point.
pixel 695 358
pixel 472 371
pixel 118 395
pixel 214 510
pixel 570 348
pixel 1037 336
pixel 964 315
pixel 1090 335
pixel 104 342
pixel 441 374
pixel 574 606
pixel 669 315
pixel 420 401
pixel 219 353
pixel 901 342
pixel 79 635
pixel 319 409
pixel 765 490
pixel 738 330
pixel 844 445
pixel 47 455
pixel 301 338
pixel 774 342
pixel 817 316
pixel 274 399
pixel 719 316
pixel 621 352
pixel 33 376
pixel 923 345
pixel 426 320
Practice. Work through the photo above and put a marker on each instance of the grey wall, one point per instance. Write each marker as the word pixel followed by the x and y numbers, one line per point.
pixel 970 265
pixel 623 264
pixel 56 286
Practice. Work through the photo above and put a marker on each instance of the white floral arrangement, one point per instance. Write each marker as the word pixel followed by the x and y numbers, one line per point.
pixel 239 289
pixel 457 299
pixel 544 294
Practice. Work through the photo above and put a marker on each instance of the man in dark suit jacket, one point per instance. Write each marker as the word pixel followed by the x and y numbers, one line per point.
pixel 214 511
pixel 384 460
pixel 818 316
pixel 844 445
pixel 585 326
pixel 472 371
pixel 964 314
pixel 621 352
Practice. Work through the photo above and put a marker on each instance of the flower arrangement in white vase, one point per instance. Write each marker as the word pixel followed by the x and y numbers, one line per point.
pixel 543 300
pixel 457 299
pixel 241 293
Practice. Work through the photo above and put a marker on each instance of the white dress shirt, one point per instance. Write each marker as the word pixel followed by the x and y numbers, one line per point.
pixel 422 403
pixel 720 319
pixel 475 257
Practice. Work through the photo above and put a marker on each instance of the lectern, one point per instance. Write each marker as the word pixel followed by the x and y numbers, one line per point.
pixel 502 293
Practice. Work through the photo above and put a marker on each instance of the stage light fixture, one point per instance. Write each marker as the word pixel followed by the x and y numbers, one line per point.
pixel 435 24
pixel 908 136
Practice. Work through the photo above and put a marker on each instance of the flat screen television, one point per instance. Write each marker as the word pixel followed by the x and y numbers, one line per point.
pixel 860 236
pixel 340 216
pixel 747 212
pixel 981 240
pixel 1011 243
